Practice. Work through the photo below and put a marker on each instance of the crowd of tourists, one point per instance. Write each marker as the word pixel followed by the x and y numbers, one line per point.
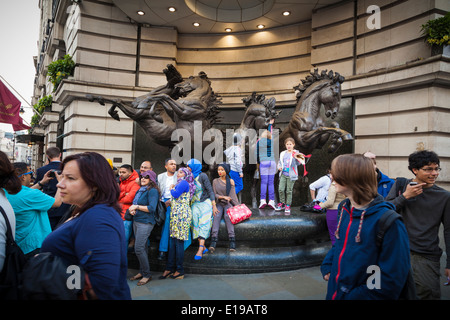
pixel 90 214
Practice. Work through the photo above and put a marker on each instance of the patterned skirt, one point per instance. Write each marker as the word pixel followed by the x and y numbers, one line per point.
pixel 201 219
pixel 180 217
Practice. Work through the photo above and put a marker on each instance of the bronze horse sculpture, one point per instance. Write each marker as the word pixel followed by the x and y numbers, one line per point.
pixel 306 126
pixel 154 120
pixel 191 104
pixel 180 104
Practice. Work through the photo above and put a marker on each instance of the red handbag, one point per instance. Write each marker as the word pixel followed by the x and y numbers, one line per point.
pixel 239 213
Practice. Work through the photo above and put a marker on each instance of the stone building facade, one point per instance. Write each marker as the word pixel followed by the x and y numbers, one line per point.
pixel 398 91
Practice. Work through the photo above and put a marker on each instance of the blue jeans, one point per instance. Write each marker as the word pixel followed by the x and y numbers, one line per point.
pixel 176 255
pixel 141 233
pixel 128 229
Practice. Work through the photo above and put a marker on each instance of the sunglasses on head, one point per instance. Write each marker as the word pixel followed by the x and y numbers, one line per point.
pixel 24 174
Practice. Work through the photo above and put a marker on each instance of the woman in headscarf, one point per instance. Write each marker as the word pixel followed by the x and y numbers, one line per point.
pixel 203 203
pixel 180 222
pixel 224 189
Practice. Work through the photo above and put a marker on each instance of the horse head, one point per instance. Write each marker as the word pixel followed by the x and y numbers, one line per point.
pixel 318 89
pixel 330 97
pixel 195 86
pixel 259 111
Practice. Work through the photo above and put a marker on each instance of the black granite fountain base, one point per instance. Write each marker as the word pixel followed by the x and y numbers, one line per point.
pixel 269 241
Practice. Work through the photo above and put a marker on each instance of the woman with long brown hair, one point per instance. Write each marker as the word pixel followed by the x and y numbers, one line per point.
pixel 94 236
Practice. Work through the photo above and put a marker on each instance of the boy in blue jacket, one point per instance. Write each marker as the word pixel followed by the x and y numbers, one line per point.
pixel 355 267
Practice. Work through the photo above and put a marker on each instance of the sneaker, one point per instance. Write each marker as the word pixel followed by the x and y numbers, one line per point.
pixel 279 207
pixel 287 210
pixel 271 204
pixel 262 204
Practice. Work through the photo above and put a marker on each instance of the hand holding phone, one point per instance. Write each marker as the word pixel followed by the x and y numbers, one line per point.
pixel 413 189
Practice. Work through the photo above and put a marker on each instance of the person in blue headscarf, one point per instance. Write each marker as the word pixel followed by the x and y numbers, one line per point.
pixel 202 205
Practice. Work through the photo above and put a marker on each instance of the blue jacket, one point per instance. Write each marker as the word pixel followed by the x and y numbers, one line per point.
pixel 148 198
pixel 96 241
pixel 384 183
pixel 348 260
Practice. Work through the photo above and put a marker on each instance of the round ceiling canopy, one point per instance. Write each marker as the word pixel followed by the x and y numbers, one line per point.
pixel 230 11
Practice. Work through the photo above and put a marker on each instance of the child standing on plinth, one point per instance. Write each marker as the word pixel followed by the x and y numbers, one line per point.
pixel 287 165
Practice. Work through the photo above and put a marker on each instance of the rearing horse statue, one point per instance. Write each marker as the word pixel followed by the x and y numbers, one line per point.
pixel 306 126
pixel 153 118
pixel 198 106
pixel 180 104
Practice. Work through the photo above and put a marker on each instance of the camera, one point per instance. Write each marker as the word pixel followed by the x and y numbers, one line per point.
pixel 52 173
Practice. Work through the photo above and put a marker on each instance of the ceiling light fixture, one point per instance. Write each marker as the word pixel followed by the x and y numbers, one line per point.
pixel 228 29
pixel 286 13
pixel 172 9
pixel 260 26
pixel 196 24
pixel 140 12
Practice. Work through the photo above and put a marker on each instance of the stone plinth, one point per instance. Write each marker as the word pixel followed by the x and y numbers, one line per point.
pixel 269 241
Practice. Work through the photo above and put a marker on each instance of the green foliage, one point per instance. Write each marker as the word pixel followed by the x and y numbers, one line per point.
pixel 40 107
pixel 60 69
pixel 437 31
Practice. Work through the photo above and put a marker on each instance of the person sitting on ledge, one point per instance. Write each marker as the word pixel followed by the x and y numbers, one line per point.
pixel 224 189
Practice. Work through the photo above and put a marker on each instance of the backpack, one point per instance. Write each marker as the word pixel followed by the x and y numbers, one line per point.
pixel 309 207
pixel 409 290
pixel 46 277
pixel 160 214
pixel 400 185
pixel 15 260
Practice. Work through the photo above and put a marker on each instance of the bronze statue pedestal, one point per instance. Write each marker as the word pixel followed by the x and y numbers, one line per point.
pixel 269 241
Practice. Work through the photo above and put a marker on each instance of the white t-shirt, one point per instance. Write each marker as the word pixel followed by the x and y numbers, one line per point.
pixel 321 185
pixel 168 182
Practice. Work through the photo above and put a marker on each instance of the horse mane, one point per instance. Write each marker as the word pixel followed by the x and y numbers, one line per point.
pixel 269 104
pixel 212 109
pixel 315 77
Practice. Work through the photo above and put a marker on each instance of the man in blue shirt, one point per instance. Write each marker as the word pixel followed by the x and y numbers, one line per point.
pixel 30 207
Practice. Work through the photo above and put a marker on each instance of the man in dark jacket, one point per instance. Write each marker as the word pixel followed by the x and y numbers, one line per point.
pixel 424 206
pixel 53 155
